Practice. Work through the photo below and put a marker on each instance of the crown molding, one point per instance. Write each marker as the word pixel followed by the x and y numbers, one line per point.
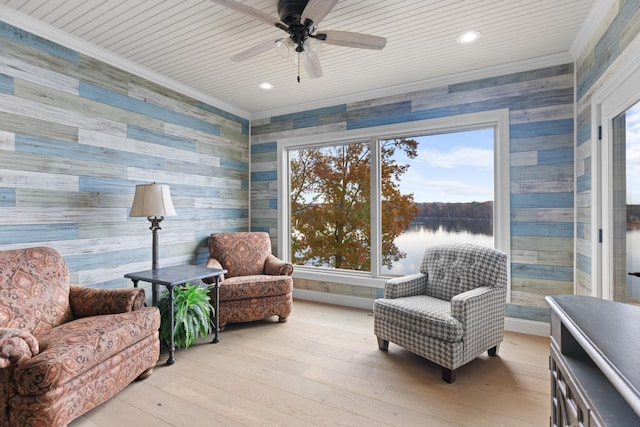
pixel 510 68
pixel 590 26
pixel 39 28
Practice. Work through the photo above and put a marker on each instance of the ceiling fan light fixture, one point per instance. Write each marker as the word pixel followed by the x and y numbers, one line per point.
pixel 266 86
pixel 284 47
pixel 468 37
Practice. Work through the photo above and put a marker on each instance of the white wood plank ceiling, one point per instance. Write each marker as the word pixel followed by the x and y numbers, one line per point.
pixel 191 41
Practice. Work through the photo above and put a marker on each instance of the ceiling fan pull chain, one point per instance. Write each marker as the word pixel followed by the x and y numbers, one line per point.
pixel 299 67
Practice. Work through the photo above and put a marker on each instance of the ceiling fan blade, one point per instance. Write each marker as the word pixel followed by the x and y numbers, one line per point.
pixel 349 39
pixel 254 51
pixel 316 10
pixel 249 11
pixel 312 65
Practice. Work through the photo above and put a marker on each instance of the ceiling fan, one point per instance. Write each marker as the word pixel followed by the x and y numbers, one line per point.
pixel 300 19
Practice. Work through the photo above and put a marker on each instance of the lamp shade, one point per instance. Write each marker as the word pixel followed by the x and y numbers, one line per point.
pixel 152 200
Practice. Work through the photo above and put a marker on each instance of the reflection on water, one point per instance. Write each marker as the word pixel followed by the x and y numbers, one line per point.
pixel 633 261
pixel 422 234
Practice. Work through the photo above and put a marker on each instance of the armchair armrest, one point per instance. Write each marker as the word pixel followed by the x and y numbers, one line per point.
pixel 485 301
pixel 406 286
pixel 214 263
pixel 16 345
pixel 97 301
pixel 274 266
pixel 481 312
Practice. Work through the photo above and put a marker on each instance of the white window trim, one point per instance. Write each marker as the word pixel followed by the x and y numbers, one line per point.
pixel 498 119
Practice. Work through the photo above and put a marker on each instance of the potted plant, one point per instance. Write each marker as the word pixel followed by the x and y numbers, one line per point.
pixel 192 312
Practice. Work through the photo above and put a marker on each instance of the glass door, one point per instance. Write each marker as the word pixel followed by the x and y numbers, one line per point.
pixel 625 198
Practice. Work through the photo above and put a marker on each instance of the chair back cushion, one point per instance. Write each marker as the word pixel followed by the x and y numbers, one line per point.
pixel 34 290
pixel 458 267
pixel 240 253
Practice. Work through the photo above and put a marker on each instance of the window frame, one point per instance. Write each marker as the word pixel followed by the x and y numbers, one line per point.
pixel 497 119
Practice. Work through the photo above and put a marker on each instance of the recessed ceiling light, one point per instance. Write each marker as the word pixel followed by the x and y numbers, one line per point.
pixel 468 37
pixel 266 86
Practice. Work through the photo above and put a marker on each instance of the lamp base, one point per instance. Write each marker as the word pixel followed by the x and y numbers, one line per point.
pixel 155 226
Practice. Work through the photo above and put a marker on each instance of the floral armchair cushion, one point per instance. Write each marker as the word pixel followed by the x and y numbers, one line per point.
pixel 34 290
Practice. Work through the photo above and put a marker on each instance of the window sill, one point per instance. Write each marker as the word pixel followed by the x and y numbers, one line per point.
pixel 340 276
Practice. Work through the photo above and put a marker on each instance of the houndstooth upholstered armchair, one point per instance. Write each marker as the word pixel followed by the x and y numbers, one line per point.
pixel 450 312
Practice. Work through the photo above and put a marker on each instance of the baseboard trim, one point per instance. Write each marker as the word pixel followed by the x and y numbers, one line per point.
pixel 346 300
pixel 523 326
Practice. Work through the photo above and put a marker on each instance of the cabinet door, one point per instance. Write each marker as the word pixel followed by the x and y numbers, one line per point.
pixel 568 406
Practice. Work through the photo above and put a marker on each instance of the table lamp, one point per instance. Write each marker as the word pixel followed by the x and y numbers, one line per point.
pixel 154 202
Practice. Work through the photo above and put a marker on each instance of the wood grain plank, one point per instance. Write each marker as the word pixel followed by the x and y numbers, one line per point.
pixel 60 215
pixel 36 110
pixel 541 114
pixel 559 244
pixel 7 140
pixel 131 145
pixel 526 88
pixel 526 158
pixel 180 104
pixel 73 102
pixel 184 178
pixel 15 123
pixel 20 70
pixel 22 179
pixel 528 186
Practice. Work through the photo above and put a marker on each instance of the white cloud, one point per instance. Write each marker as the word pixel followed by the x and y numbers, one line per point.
pixel 458 157
pixel 446 190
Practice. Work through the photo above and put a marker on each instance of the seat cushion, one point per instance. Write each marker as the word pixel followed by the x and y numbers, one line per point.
pixel 77 346
pixel 422 314
pixel 257 286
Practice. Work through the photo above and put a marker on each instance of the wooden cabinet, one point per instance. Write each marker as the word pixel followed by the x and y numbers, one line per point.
pixel 595 376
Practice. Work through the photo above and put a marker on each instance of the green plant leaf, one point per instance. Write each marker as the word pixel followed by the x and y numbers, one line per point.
pixel 192 314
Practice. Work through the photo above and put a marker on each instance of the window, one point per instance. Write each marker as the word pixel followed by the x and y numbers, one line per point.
pixel 449 179
pixel 329 223
pixel 350 201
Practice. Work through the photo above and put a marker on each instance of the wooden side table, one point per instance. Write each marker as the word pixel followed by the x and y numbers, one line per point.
pixel 176 276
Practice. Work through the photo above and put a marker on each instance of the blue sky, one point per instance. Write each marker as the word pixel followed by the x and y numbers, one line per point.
pixel 452 167
pixel 633 154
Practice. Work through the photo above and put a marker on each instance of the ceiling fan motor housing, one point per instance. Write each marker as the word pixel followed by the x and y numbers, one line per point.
pixel 290 11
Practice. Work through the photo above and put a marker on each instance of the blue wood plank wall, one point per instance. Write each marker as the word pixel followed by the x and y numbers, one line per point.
pixel 77 135
pixel 541 104
pixel 593 67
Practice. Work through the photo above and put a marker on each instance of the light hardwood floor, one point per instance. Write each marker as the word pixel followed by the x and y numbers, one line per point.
pixel 323 368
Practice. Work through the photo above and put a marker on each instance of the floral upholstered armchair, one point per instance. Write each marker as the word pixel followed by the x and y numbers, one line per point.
pixel 258 284
pixel 65 349
pixel 450 312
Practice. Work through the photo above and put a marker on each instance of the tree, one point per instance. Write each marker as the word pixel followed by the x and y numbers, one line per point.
pixel 330 204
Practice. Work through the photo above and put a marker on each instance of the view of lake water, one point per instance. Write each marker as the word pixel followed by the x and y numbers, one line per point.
pixel 422 234
pixel 633 262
